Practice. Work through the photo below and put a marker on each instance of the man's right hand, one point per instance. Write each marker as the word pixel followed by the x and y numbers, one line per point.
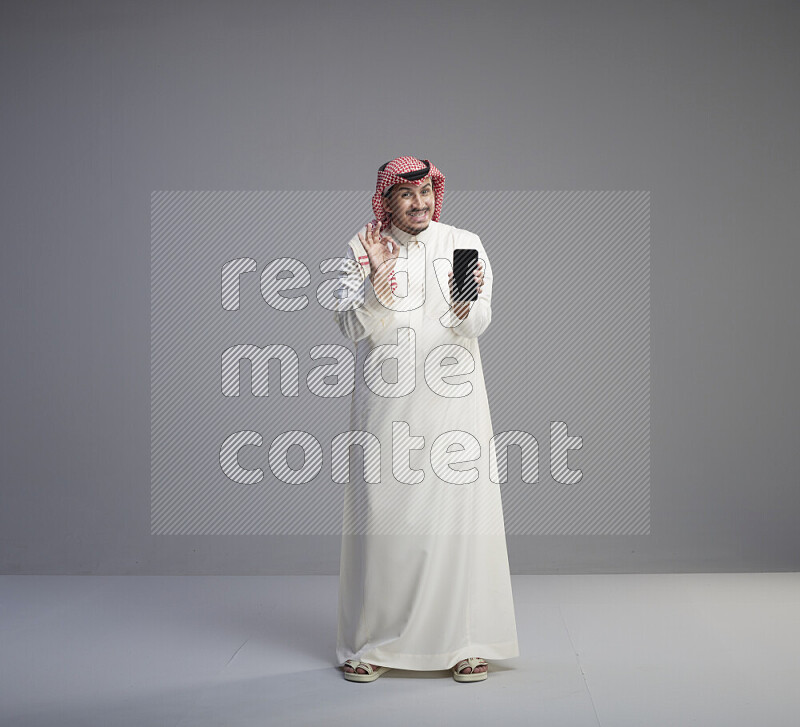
pixel 382 252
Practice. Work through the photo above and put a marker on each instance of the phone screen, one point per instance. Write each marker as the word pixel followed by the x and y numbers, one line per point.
pixel 465 262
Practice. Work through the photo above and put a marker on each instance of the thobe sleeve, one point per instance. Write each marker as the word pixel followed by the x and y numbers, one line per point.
pixel 480 313
pixel 359 313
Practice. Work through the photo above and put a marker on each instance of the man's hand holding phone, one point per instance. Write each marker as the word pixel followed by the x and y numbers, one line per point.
pixel 461 308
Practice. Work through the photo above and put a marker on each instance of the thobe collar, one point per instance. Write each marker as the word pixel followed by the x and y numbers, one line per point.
pixel 406 238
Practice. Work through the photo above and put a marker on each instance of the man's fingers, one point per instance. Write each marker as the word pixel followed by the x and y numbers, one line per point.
pixel 373 235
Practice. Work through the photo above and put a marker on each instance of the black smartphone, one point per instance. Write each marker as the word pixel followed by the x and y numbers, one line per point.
pixel 465 262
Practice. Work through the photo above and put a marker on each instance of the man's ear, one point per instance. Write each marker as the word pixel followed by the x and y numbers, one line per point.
pixel 388 200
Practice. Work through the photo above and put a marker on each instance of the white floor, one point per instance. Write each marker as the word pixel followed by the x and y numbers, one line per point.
pixel 611 650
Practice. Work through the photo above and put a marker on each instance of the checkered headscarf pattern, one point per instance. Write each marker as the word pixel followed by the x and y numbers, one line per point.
pixel 390 173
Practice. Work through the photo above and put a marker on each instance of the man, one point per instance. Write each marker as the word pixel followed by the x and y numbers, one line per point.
pixel 424 580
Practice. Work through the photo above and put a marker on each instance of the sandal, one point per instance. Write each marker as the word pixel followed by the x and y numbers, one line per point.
pixel 370 676
pixel 473 676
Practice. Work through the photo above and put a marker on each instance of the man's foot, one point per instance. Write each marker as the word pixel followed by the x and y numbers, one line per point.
pixel 473 669
pixel 468 669
pixel 360 670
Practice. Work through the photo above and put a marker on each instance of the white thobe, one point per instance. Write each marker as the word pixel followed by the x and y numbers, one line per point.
pixel 424 577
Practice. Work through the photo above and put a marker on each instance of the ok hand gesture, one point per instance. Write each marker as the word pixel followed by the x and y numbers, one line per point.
pixel 382 251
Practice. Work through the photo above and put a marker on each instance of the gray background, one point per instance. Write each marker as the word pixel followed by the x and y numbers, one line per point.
pixel 105 102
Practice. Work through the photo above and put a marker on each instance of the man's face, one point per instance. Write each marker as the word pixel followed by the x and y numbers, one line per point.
pixel 411 205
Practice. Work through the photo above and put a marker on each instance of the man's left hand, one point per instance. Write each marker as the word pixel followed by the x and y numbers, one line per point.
pixel 461 308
